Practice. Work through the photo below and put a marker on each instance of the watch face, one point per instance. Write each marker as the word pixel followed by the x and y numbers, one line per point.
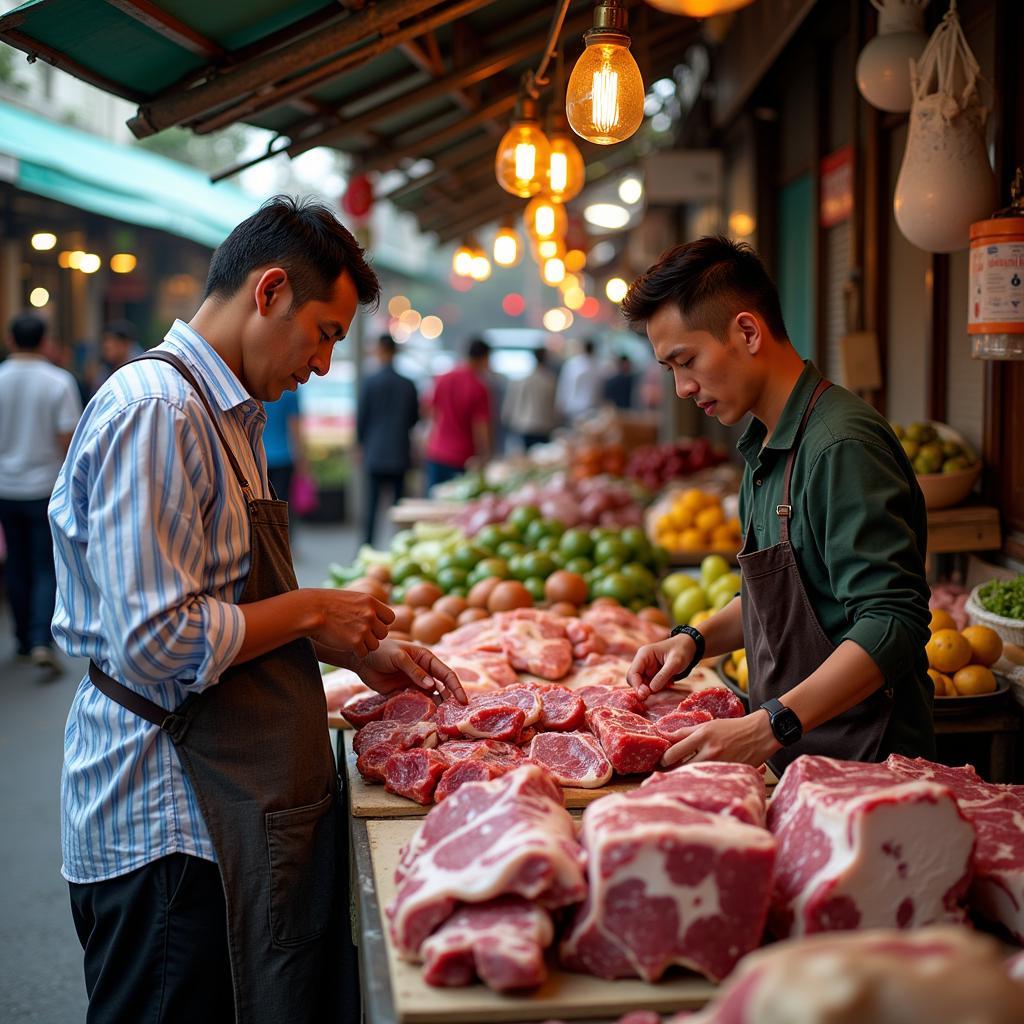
pixel 786 727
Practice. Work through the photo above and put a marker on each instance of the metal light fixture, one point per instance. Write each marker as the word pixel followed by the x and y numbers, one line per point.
pixel 883 67
pixel 605 98
pixel 521 163
pixel 508 247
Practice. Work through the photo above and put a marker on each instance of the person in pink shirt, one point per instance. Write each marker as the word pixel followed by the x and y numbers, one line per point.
pixel 460 410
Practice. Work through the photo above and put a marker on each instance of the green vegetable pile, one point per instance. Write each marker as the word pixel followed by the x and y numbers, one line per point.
pixel 1003 597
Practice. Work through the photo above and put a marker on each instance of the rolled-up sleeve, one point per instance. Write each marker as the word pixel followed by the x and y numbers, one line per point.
pixel 147 551
pixel 866 538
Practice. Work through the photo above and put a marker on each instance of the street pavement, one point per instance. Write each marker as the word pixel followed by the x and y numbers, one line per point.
pixel 40 958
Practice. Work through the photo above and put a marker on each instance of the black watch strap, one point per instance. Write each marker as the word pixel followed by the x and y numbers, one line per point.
pixel 786 726
pixel 698 638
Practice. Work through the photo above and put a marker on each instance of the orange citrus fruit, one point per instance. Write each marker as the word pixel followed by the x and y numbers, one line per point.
pixel 692 540
pixel 974 679
pixel 709 518
pixel 986 644
pixel 941 619
pixel 948 651
pixel 943 684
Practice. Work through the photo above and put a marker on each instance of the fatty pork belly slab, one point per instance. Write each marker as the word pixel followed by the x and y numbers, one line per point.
pixel 511 836
pixel 718 787
pixel 668 884
pixel 501 942
pixel 997 814
pixel 860 847
pixel 573 758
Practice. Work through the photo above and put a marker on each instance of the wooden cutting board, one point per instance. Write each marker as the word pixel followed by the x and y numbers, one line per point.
pixel 564 995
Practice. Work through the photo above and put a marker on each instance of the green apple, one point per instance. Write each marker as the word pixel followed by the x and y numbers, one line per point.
pixel 727 583
pixel 721 599
pixel 675 583
pixel 711 568
pixel 688 603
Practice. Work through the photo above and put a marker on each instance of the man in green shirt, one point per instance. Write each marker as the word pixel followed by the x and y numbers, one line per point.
pixel 833 610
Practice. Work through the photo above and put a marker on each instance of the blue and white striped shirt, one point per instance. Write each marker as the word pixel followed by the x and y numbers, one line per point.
pixel 151 541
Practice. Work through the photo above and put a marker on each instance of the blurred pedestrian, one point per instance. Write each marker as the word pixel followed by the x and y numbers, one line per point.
pixel 460 407
pixel 580 384
pixel 388 410
pixel 119 343
pixel 39 408
pixel 618 388
pixel 282 439
pixel 529 409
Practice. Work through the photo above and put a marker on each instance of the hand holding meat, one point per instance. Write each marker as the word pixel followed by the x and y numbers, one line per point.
pixel 656 665
pixel 396 664
pixel 747 740
pixel 350 621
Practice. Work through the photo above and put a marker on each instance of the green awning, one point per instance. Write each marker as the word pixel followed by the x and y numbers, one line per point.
pixel 122 182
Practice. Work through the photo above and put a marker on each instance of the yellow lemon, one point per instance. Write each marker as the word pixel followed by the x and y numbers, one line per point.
pixel 986 644
pixel 974 679
pixel 948 651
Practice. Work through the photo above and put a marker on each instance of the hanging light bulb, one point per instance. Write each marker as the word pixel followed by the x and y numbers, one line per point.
pixel 481 268
pixel 553 271
pixel 507 247
pixel 521 163
pixel 699 8
pixel 605 99
pixel 462 260
pixel 545 219
pixel 883 67
pixel 566 172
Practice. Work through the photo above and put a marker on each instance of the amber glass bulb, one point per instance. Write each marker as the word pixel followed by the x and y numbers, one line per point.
pixel 545 219
pixel 605 98
pixel 566 173
pixel 507 247
pixel 462 260
pixel 699 8
pixel 521 163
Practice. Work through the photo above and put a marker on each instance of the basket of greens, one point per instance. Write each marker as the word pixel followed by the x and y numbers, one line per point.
pixel 1000 605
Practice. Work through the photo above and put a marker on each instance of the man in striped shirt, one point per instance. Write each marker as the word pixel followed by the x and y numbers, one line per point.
pixel 163 522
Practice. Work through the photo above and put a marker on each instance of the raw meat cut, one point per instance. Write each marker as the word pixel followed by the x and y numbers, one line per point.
pixel 938 975
pixel 363 709
pixel 677 725
pixel 573 758
pixel 536 642
pixel 621 631
pixel 631 743
pixel 481 671
pixel 501 941
pixel 620 697
pixel 414 773
pixel 718 787
pixel 561 710
pixel 470 769
pixel 482 635
pixel 668 884
pixel 497 722
pixel 340 686
pixel 455 719
pixel 606 670
pixel 583 637
pixel 859 847
pixel 512 836
pixel 408 706
pixel 997 814
pixel 718 702
pixel 419 734
pixel 495 751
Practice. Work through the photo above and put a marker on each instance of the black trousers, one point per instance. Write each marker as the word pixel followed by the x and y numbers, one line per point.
pixel 31 578
pixel 375 483
pixel 155 944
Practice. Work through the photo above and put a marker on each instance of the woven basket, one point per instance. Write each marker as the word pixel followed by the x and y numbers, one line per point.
pixel 1011 630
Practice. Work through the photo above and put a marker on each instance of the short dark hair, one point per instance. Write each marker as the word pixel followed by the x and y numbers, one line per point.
pixel 122 329
pixel 478 349
pixel 711 279
pixel 589 346
pixel 306 240
pixel 28 331
pixel 541 355
pixel 386 342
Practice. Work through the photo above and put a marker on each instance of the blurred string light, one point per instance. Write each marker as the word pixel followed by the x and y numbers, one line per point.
pixel 398 304
pixel 43 241
pixel 508 247
pixel 574 298
pixel 70 259
pixel 553 271
pixel 38 297
pixel 462 260
pixel 741 224
pixel 575 260
pixel 610 216
pixel 550 248
pixel 631 190
pixel 569 281
pixel 480 269
pixel 123 262
pixel 89 263
pixel 616 289
pixel 590 308
pixel 557 319
pixel 431 327
pixel 545 219
pixel 521 162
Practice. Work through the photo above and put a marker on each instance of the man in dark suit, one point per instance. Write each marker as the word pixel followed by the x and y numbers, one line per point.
pixel 388 410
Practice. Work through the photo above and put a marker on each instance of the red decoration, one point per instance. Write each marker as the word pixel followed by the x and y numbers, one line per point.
pixel 358 198
pixel 590 308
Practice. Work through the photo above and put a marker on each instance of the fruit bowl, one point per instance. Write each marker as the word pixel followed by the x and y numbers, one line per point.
pixel 939 447
pixel 941 490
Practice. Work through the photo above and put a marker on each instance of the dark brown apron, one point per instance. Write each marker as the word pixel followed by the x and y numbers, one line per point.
pixel 785 642
pixel 257 752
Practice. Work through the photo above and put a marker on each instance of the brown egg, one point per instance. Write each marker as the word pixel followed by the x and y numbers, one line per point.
pixel 509 594
pixel 379 572
pixel 653 614
pixel 473 615
pixel 481 591
pixel 451 604
pixel 423 595
pixel 564 608
pixel 565 586
pixel 368 585
pixel 403 619
pixel 431 626
pixel 605 601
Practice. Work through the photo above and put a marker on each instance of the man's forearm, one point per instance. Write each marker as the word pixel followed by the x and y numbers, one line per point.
pixel 845 678
pixel 276 621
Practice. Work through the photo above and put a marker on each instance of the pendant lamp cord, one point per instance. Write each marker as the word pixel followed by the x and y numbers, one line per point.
pixel 534 81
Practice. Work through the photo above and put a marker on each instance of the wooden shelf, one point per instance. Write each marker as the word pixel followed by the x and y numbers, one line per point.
pixel 963 528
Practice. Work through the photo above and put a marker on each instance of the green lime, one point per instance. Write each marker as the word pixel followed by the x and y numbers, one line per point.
pixel 521 517
pixel 459 591
pixel 490 537
pixel 634 537
pixel 515 567
pixel 600 532
pixel 547 544
pixel 449 561
pixel 451 576
pixel 403 569
pixel 508 548
pixel 608 548
pixel 492 567
pixel 468 556
pixel 616 586
pixel 575 543
pixel 538 563
pixel 580 566
pixel 543 528
pixel 535 585
pixel 642 577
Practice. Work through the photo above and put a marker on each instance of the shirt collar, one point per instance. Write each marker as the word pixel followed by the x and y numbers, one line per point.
pixel 222 387
pixel 752 441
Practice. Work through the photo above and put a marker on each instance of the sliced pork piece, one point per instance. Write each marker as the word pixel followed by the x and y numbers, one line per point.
pixel 363 709
pixel 512 836
pixel 677 725
pixel 408 706
pixel 573 758
pixel 414 773
pixel 598 670
pixel 718 787
pixel 501 941
pixel 859 847
pixel 611 697
pixel 495 751
pixel 456 720
pixel 497 722
pixel 718 702
pixel 481 671
pixel 536 643
pixel 403 736
pixel 630 742
pixel 997 814
pixel 584 638
pixel 471 769
pixel 622 632
pixel 482 635
pixel 561 710
pixel 340 686
pixel 668 884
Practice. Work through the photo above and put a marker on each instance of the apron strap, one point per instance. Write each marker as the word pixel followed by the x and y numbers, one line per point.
pixel 784 510
pixel 172 722
pixel 182 368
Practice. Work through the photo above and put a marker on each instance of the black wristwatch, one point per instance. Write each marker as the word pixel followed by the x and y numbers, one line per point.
pixel 784 722
pixel 698 638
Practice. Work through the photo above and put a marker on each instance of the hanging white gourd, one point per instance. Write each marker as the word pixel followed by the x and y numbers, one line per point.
pixel 946 181
pixel 883 67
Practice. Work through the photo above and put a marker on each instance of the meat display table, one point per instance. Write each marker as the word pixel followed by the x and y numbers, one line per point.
pixel 393 992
